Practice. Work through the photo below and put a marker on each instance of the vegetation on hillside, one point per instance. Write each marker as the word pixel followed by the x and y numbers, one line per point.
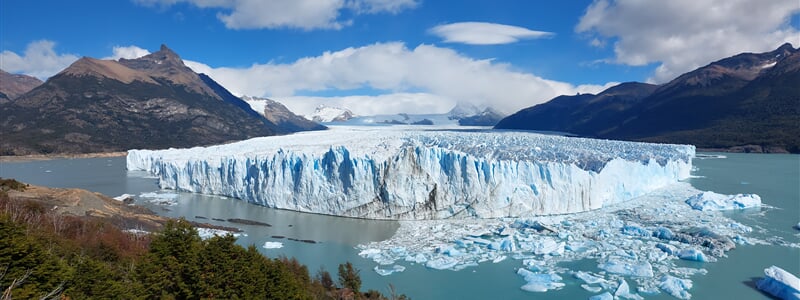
pixel 47 255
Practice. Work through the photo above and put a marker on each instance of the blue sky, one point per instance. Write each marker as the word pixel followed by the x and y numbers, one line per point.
pixel 386 56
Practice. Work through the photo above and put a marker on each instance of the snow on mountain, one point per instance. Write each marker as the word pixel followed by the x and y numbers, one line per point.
pixel 280 115
pixel 324 114
pixel 394 174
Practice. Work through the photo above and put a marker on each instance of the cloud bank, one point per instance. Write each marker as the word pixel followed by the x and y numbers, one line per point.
pixel 301 14
pixel 481 33
pixel 127 52
pixel 39 60
pixel 681 35
pixel 394 68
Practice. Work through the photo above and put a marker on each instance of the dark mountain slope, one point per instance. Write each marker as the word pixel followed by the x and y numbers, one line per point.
pixel 581 114
pixel 99 106
pixel 747 99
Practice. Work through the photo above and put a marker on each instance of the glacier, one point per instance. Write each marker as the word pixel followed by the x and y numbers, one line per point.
pixel 407 174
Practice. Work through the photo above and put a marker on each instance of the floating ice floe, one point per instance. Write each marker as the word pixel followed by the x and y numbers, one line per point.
pixel 385 272
pixel 165 199
pixel 714 201
pixel 207 233
pixel 638 242
pixel 603 296
pixel 624 291
pixel 677 287
pixel 539 282
pixel 272 245
pixel 780 283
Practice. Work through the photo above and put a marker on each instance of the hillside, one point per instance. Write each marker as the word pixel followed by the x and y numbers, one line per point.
pixel 748 102
pixel 151 102
pixel 75 244
pixel 14 85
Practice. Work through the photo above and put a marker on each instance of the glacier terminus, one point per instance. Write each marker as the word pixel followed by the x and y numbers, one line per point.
pixel 406 174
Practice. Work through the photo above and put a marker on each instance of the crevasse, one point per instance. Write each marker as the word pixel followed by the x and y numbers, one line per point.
pixel 390 174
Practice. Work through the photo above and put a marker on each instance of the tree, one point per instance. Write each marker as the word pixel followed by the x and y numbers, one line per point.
pixel 170 268
pixel 26 269
pixel 325 279
pixel 348 277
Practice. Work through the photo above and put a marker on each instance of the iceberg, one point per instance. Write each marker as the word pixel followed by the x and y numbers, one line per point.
pixel 603 296
pixel 588 278
pixel 780 283
pixel 713 201
pixel 624 291
pixel 539 282
pixel 627 268
pixel 547 246
pixel 272 245
pixel 442 263
pixel 207 233
pixel 387 272
pixel 692 254
pixel 676 287
pixel 421 174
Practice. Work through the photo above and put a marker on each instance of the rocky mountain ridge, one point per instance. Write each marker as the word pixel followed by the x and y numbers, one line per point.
pixel 152 102
pixel 747 102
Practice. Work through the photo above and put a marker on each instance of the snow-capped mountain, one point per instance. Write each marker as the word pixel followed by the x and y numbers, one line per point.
pixel 469 114
pixel 324 114
pixel 280 115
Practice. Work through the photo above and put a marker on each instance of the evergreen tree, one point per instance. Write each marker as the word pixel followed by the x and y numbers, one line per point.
pixel 348 277
pixel 171 267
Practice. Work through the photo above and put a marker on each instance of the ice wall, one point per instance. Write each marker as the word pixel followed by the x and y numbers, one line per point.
pixel 393 174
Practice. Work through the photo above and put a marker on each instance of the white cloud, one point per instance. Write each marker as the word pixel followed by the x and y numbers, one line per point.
pixel 392 67
pixel 413 103
pixel 129 52
pixel 39 60
pixel 302 14
pixel 480 33
pixel 377 6
pixel 682 35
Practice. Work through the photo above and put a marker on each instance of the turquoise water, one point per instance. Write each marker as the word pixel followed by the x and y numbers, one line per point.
pixel 776 178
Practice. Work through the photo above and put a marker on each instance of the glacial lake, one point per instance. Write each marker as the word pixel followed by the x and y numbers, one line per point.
pixel 775 177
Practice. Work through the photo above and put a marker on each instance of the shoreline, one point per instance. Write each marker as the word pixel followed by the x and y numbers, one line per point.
pixel 37 157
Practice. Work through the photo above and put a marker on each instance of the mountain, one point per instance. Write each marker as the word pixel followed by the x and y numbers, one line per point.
pixel 14 85
pixel 488 117
pixel 150 102
pixel 469 114
pixel 747 102
pixel 324 114
pixel 278 114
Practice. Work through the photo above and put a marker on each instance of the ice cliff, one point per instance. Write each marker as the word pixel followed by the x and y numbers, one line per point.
pixel 421 174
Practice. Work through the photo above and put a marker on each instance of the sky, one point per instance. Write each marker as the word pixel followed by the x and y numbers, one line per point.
pixel 393 56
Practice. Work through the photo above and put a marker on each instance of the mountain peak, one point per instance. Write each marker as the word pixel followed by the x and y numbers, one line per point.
pixel 14 85
pixel 166 64
pixel 87 66
pixel 786 47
